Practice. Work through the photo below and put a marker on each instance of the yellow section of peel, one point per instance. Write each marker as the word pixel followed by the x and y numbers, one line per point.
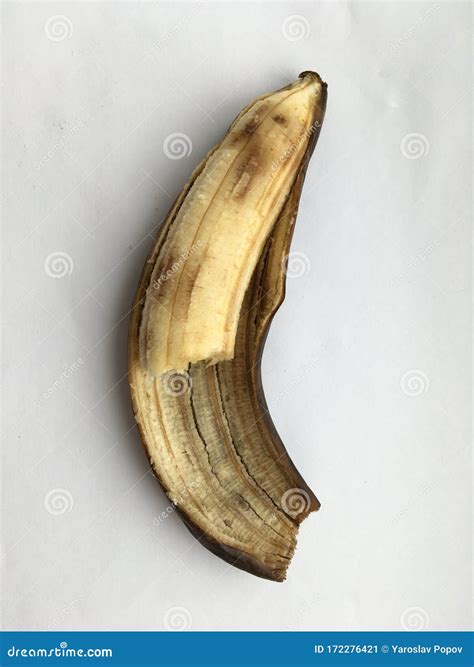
pixel 204 267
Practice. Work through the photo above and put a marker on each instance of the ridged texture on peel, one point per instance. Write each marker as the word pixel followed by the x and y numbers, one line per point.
pixel 213 446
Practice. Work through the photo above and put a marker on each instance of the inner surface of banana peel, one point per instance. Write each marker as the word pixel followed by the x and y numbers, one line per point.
pixel 207 294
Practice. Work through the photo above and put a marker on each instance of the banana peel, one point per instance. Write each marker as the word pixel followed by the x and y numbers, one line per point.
pixel 205 300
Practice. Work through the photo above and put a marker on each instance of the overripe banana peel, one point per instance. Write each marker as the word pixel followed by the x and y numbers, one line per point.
pixel 205 300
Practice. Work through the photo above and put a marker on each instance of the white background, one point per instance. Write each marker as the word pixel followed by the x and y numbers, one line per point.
pixel 366 367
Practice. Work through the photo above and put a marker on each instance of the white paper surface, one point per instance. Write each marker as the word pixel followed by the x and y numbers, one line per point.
pixel 365 368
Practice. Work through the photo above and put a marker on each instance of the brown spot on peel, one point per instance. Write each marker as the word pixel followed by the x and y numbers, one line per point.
pixel 246 171
pixel 281 120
